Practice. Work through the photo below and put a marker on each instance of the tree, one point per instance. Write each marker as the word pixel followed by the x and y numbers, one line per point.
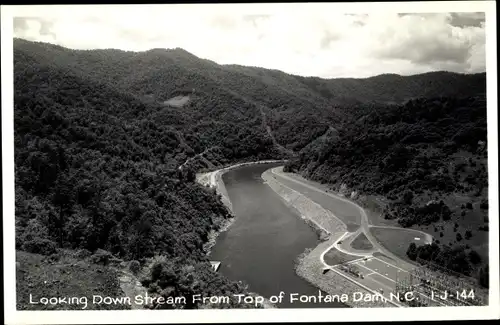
pixel 408 197
pixel 134 266
pixel 36 239
pixel 63 198
pixel 412 251
pixel 484 276
pixel 474 257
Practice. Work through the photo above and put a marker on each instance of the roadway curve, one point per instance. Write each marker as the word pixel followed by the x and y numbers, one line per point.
pixel 364 227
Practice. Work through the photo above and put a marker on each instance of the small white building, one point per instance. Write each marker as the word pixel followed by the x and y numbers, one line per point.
pixel 215 265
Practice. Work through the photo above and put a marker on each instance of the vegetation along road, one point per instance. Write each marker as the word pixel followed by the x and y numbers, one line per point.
pixel 349 236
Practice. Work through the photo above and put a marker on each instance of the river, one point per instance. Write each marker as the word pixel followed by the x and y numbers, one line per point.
pixel 261 246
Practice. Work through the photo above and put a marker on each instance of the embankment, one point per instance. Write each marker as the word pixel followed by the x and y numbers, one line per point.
pixel 213 179
pixel 309 210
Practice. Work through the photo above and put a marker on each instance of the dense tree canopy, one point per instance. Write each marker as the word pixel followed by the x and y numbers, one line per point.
pixel 402 151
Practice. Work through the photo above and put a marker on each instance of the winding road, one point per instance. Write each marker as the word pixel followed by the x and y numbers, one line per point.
pixel 343 244
pixel 207 162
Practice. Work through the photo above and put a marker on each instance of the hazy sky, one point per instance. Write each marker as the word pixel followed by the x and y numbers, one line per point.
pixel 317 41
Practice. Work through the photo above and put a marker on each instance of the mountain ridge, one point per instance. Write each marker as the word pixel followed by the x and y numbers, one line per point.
pixel 186 52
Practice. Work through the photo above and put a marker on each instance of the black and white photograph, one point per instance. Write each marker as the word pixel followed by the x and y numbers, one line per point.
pixel 293 161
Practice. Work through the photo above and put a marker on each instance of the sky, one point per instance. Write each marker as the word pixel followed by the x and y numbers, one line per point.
pixel 309 40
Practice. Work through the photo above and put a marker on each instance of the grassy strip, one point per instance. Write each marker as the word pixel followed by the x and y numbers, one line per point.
pixel 361 242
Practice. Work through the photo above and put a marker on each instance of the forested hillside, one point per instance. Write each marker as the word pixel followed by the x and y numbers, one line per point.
pixel 428 157
pixel 297 109
pixel 396 89
pixel 97 168
pixel 106 161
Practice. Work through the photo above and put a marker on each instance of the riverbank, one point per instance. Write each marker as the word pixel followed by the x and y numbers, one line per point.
pixel 310 265
pixel 309 210
pixel 214 180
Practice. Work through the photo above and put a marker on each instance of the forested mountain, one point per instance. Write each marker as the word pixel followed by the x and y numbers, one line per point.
pixel 396 89
pixel 297 109
pixel 102 138
pixel 395 148
pixel 428 157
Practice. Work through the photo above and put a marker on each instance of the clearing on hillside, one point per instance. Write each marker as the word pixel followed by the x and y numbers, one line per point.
pixel 39 276
pixel 177 101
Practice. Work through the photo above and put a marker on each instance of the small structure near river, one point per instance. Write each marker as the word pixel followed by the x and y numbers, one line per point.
pixel 215 265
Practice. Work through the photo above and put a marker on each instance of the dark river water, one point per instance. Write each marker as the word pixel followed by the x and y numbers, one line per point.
pixel 261 246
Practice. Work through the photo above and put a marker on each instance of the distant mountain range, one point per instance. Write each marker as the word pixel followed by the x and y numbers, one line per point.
pixel 297 109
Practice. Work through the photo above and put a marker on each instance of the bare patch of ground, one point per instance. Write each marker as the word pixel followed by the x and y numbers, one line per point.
pixel 132 287
pixel 177 101
pixel 64 276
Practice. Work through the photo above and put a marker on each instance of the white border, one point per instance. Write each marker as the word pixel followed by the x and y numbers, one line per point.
pixel 291 315
pixel 266 8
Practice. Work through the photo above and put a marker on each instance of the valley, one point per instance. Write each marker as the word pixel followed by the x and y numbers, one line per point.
pixel 116 152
